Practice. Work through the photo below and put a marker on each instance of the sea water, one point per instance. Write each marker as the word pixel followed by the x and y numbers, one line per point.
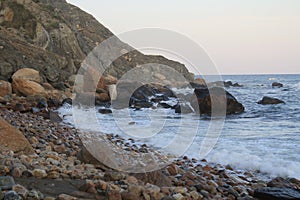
pixel 265 138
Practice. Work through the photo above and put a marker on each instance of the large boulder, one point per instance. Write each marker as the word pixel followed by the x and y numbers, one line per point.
pixel 27 74
pixel 221 98
pixel 270 100
pixel 26 87
pixel 5 88
pixel 12 139
pixel 273 193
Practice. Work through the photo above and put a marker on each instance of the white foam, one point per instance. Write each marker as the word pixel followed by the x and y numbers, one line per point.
pixel 298 86
pixel 242 158
pixel 236 150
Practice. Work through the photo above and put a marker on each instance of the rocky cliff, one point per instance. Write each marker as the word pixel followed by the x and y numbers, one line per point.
pixel 54 37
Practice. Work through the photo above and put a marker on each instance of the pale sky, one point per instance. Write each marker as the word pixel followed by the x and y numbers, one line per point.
pixel 240 36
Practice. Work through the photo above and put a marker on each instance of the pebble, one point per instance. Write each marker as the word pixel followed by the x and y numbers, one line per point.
pixel 57 146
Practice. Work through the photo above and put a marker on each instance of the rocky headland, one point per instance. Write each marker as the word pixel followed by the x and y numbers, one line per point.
pixel 42 46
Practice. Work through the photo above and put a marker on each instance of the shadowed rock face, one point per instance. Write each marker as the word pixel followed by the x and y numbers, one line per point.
pixel 54 37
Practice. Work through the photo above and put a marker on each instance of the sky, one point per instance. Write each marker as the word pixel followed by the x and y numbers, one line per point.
pixel 240 36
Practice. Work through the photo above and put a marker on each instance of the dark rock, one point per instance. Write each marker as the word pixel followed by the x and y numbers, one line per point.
pixel 276 84
pixel 138 96
pixel 104 111
pixel 227 83
pixel 222 99
pixel 53 116
pixel 67 101
pixel 280 182
pixel 42 103
pixel 237 85
pixel 12 195
pixel 6 182
pixel 165 105
pixel 270 193
pixel 53 103
pixel 270 100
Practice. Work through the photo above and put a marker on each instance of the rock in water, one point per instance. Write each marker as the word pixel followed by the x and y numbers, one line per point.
pixel 12 139
pixel 269 193
pixel 276 84
pixel 104 111
pixel 222 99
pixel 270 100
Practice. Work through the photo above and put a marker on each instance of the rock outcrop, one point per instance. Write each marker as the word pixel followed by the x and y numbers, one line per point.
pixel 54 37
pixel 270 100
pixel 221 100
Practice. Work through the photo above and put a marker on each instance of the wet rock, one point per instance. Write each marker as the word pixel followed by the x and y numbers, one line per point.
pixel 269 193
pixel 276 84
pixel 280 182
pixel 5 88
pixel 105 111
pixel 6 182
pixel 67 101
pixel 12 139
pixel 222 98
pixel 270 100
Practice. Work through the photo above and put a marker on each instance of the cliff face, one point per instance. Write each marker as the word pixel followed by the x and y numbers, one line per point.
pixel 54 37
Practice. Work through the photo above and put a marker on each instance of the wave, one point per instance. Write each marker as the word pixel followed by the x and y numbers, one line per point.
pixel 297 86
pixel 270 164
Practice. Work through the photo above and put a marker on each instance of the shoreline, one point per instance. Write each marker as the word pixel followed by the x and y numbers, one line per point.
pixel 55 159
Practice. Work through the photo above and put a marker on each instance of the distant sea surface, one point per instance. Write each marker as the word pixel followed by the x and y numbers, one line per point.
pixel 265 138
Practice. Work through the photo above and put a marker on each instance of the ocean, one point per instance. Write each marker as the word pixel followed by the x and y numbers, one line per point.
pixel 264 139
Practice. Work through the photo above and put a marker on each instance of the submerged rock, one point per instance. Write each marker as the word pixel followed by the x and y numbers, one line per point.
pixel 270 100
